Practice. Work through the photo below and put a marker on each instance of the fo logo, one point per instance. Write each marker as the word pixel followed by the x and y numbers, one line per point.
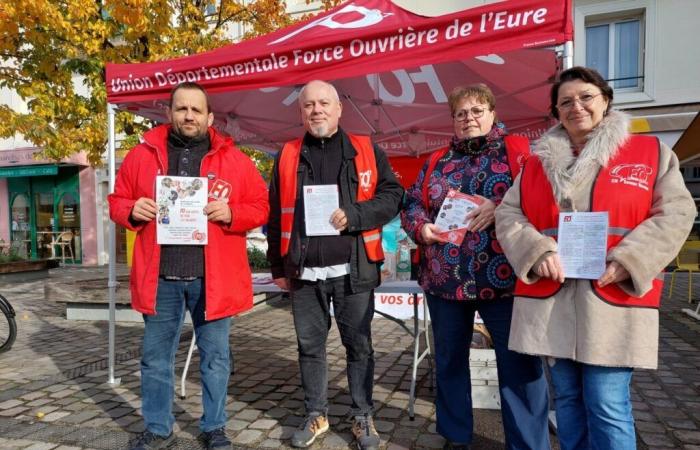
pixel 365 179
pixel 363 17
pixel 636 175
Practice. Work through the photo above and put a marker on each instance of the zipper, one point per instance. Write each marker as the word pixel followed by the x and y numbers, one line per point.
pixel 161 171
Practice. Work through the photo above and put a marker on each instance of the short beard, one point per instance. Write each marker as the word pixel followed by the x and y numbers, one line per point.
pixel 198 135
pixel 187 138
pixel 320 131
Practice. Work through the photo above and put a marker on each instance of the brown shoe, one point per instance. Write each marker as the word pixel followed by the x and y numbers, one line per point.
pixel 366 436
pixel 314 425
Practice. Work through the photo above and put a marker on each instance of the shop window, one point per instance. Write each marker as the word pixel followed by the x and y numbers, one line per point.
pixel 20 226
pixel 43 205
pixel 68 213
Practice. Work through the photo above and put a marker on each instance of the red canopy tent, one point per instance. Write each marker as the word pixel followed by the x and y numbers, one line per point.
pixel 393 70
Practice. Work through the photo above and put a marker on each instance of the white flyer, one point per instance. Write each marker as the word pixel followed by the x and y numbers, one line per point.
pixel 181 219
pixel 582 243
pixel 320 200
pixel 452 218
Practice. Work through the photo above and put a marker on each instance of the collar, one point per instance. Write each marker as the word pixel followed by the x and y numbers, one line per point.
pixel 566 171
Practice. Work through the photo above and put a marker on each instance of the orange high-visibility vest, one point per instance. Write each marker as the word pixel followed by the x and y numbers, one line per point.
pixel 517 151
pixel 366 168
pixel 624 188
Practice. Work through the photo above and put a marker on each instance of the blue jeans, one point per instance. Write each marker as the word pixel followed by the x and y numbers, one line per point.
pixel 593 406
pixel 160 342
pixel 521 380
pixel 353 314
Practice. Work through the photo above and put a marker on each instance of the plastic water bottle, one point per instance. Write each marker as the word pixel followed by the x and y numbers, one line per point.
pixel 403 262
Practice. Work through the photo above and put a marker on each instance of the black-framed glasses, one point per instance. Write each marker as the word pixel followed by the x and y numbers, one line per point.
pixel 462 114
pixel 583 100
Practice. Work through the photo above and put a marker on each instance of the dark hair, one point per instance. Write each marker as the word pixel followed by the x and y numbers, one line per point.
pixel 587 76
pixel 477 91
pixel 189 85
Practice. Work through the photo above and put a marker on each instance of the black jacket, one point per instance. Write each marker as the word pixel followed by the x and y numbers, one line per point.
pixel 361 216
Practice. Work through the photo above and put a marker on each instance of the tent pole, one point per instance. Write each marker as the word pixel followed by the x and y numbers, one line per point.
pixel 112 281
pixel 568 55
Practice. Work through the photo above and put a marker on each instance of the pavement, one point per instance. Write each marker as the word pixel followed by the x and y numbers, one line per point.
pixel 54 392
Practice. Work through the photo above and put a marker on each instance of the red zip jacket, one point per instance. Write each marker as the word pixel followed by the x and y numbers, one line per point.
pixel 228 284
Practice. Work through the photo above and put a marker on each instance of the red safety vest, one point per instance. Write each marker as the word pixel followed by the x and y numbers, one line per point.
pixel 624 188
pixel 366 167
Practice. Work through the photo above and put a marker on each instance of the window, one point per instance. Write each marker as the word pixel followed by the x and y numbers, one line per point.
pixel 614 48
pixel 613 37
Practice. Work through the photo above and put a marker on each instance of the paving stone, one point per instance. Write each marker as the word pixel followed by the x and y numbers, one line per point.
pixel 653 427
pixel 336 440
pixel 9 404
pixel 247 437
pixel 430 441
pixel 248 414
pixel 389 413
pixel 276 413
pixel 80 417
pixel 237 425
pixel 682 424
pixel 13 411
pixel 263 424
pixel 281 433
pixel 687 437
pixel 41 446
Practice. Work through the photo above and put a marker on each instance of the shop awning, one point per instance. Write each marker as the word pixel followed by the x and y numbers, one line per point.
pixel 28 171
pixel 688 146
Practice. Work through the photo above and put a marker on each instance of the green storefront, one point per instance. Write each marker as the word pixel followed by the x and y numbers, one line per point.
pixel 44 205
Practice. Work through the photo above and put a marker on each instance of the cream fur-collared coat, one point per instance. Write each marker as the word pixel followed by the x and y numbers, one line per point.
pixel 574 323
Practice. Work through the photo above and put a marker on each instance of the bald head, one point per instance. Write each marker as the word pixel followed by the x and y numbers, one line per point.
pixel 320 108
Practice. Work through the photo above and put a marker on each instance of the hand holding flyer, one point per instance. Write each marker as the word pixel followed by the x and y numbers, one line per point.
pixel 320 201
pixel 452 218
pixel 582 243
pixel 181 219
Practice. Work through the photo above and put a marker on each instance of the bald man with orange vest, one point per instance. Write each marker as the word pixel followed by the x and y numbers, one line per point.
pixel 342 269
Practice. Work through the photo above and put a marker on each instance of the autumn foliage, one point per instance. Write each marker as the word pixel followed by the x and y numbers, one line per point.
pixel 53 55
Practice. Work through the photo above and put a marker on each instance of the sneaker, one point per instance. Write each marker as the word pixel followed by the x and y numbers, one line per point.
pixel 150 441
pixel 314 425
pixel 216 439
pixel 449 445
pixel 366 436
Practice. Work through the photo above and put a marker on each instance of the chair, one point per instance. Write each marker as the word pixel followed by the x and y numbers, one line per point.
pixel 65 242
pixel 687 261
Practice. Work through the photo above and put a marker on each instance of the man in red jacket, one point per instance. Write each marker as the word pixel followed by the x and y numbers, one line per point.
pixel 211 281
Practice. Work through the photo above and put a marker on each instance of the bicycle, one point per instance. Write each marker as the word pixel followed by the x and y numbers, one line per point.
pixel 8 326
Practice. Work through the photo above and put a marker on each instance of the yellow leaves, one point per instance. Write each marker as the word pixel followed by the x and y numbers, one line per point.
pixel 52 40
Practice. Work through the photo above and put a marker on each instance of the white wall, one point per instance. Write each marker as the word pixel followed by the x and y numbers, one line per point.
pixel 672 59
pixel 11 99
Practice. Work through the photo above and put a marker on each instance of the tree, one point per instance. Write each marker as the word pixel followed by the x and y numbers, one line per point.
pixel 54 54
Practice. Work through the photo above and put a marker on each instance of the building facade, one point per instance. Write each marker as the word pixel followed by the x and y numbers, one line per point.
pixel 48 209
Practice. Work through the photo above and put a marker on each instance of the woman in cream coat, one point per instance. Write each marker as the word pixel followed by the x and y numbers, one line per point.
pixel 594 333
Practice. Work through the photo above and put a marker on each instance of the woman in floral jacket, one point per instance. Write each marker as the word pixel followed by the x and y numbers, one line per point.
pixel 459 280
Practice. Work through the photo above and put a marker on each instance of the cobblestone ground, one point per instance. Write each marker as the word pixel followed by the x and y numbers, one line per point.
pixel 54 395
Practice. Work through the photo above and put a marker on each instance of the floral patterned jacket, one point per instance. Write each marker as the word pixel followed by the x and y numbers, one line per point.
pixel 477 269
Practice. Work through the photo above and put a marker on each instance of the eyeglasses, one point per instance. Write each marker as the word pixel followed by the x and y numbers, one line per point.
pixel 462 114
pixel 583 100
